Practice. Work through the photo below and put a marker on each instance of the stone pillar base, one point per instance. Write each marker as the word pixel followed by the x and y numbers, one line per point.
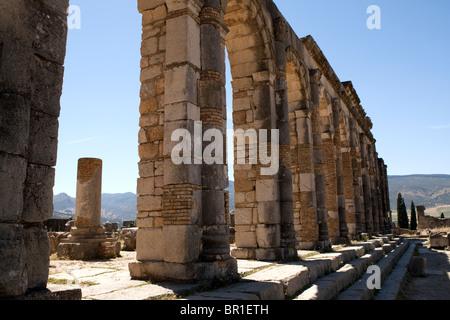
pixel 270 254
pixel 89 249
pixel 178 272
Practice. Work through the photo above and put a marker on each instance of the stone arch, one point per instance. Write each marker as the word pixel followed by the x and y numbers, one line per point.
pixel 262 217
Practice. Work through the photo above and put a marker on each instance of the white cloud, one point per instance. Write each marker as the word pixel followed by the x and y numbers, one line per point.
pixel 87 139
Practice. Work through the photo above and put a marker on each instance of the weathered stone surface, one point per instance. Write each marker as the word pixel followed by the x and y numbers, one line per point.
pixel 417 266
pixel 181 244
pixel 128 235
pixel 37 257
pixel 38 194
pixel 43 143
pixel 13 274
pixel 438 241
pixel 13 170
pixel 14 124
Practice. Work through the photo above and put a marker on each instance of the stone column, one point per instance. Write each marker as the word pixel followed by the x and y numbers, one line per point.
pixel 288 239
pixel 366 185
pixel 88 200
pixel 309 232
pixel 318 160
pixel 215 237
pixel 182 233
pixel 88 239
pixel 341 202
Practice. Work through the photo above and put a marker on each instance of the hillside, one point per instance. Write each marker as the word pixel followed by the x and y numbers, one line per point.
pixel 115 207
pixel 428 190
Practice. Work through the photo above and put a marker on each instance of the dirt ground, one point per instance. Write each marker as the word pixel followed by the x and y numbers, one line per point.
pixel 436 283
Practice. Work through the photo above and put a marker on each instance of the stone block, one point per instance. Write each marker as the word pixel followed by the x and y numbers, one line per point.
pixel 268 236
pixel 149 47
pixel 48 29
pixel 245 239
pixel 43 142
pixel 182 243
pixel 16 61
pixel 38 194
pixel 13 171
pixel 417 266
pixel 149 4
pixel 181 85
pixel 267 190
pixel 146 186
pixel 47 86
pixel 183 40
pixel 14 124
pixel 263 98
pixel 269 212
pixel 146 169
pixel 13 276
pixel 182 134
pixel 438 241
pixel 307 182
pixel 37 257
pixel 149 244
pixel 244 216
pixel 149 203
pixel 181 111
pixel 181 174
pixel 150 151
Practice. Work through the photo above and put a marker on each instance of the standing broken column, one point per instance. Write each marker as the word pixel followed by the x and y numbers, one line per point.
pixel 88 240
pixel 88 200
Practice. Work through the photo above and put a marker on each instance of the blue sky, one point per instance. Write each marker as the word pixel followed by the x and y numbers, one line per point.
pixel 401 73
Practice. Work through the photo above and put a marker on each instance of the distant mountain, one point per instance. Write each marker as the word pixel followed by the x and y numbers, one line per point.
pixel 427 190
pixel 231 195
pixel 115 207
pixel 62 202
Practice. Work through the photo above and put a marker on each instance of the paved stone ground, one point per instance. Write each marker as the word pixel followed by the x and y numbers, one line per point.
pixel 110 279
pixel 436 283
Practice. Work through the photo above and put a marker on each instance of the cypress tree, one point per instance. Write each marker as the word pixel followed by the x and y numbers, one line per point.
pixel 402 213
pixel 413 216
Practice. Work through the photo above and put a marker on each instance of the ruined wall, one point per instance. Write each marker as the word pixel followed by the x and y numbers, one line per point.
pixel 32 50
pixel 429 222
